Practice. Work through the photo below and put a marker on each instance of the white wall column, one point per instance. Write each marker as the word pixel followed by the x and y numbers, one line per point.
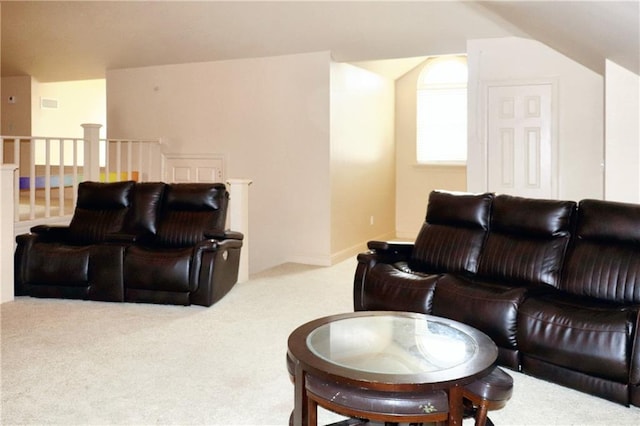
pixel 622 134
pixel 91 169
pixel 239 220
pixel 7 238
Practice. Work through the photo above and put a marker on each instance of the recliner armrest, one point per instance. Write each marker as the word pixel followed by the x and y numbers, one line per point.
pixel 634 367
pixel 380 252
pixel 223 235
pixel 217 245
pixel 386 252
pixel 400 247
pixel 51 232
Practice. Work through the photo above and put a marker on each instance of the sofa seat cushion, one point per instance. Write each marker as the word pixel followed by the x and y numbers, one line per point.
pixel 581 334
pixel 58 264
pixel 489 307
pixel 160 270
pixel 394 287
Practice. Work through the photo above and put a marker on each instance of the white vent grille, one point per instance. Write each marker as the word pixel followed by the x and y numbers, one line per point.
pixel 48 103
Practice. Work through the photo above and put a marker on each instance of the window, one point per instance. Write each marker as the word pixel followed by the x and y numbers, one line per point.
pixel 442 111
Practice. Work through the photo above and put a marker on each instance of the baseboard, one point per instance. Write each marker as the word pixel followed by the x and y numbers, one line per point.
pixel 340 255
pixel 310 260
pixel 354 250
pixel 406 235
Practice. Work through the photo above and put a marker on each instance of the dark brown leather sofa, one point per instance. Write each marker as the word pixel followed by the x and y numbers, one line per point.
pixel 134 242
pixel 556 284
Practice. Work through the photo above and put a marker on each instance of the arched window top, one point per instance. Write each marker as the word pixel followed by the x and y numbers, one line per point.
pixel 447 71
pixel 441 111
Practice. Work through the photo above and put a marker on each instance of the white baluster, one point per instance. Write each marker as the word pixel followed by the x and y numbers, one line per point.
pixel 91 168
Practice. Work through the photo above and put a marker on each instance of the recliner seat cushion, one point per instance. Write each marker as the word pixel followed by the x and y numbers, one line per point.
pixel 160 270
pixel 580 334
pixel 58 264
pixel 486 306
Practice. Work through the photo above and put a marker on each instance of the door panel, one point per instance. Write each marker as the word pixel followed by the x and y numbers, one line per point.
pixel 194 168
pixel 519 145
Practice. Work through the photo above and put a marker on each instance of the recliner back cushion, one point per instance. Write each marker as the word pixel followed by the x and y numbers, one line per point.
pixel 100 210
pixel 142 218
pixel 603 260
pixel 189 210
pixel 527 240
pixel 453 233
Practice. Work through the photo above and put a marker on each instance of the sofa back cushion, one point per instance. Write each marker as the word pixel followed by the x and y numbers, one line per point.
pixel 527 240
pixel 189 210
pixel 100 209
pixel 453 233
pixel 603 260
pixel 142 219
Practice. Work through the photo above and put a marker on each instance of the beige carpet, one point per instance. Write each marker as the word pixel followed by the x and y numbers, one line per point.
pixel 87 363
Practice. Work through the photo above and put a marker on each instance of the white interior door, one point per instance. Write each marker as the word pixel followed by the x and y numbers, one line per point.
pixel 520 154
pixel 194 168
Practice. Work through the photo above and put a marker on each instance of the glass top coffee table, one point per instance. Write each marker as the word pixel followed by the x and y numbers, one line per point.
pixel 394 354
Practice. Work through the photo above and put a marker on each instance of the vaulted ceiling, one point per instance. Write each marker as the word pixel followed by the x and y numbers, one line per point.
pixel 73 40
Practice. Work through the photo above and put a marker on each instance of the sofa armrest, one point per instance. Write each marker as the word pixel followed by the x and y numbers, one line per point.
pixel 217 245
pixel 403 248
pixel 224 235
pixel 24 243
pixel 51 232
pixel 387 252
pixel 217 271
pixel 634 367
pixel 382 252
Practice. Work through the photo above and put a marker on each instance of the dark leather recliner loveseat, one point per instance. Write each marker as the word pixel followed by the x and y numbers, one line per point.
pixel 556 284
pixel 134 242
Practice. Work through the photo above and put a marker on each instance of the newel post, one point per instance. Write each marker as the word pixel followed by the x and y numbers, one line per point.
pixel 239 220
pixel 7 237
pixel 91 169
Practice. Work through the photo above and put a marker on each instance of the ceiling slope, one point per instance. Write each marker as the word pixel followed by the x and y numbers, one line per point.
pixel 586 31
pixel 74 40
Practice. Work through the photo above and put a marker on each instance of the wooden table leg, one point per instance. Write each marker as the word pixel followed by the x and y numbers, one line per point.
pixel 300 406
pixel 312 412
pixel 456 406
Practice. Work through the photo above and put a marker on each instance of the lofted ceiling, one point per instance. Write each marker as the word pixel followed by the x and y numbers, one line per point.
pixel 75 40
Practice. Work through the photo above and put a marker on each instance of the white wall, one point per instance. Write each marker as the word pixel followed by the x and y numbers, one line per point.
pixel 622 171
pixel 362 159
pixel 580 132
pixel 79 102
pixel 16 116
pixel 270 116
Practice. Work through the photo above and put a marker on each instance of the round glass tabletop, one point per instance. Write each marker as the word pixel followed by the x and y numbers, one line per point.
pixel 392 344
pixel 392 349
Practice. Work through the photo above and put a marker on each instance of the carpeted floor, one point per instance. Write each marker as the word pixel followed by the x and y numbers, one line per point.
pixel 87 363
